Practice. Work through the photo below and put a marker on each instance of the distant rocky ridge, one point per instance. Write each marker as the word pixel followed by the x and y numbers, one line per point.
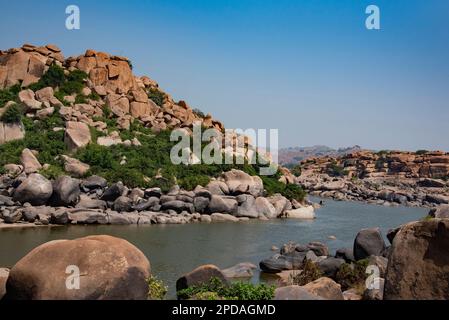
pixel 394 177
pixel 293 155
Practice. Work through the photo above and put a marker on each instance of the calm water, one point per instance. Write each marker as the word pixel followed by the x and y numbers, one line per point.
pixel 176 249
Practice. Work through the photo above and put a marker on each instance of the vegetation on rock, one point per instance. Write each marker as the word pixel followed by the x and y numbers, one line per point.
pixel 156 288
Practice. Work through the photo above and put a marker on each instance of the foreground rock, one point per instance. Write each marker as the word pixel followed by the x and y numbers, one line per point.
pixel 110 268
pixel 325 288
pixel 418 266
pixel 4 273
pixel 241 270
pixel 294 293
pixel 199 276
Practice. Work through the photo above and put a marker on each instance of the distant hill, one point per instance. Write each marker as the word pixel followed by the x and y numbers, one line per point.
pixel 293 155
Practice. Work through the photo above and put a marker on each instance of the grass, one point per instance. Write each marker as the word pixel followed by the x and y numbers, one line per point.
pixel 12 115
pixel 156 288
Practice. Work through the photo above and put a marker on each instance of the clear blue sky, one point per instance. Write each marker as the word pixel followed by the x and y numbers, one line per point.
pixel 309 68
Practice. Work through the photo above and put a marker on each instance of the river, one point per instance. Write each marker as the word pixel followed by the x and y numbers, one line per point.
pixel 176 249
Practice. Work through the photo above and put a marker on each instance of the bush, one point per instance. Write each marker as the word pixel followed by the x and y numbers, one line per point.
pixel 352 275
pixel 12 115
pixel 421 152
pixel 296 170
pixel 335 170
pixel 10 94
pixel 310 273
pixel 157 96
pixel 156 288
pixel 215 288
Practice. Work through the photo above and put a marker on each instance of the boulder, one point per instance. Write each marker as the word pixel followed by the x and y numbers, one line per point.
pixel 222 204
pixel 330 266
pixel 201 203
pixel 247 207
pixel 77 135
pixel 375 293
pixel 352 294
pixel 241 270
pixel 319 248
pixel 178 206
pixel 75 167
pixel 150 203
pixel 280 203
pixel 85 216
pixel 345 253
pixel 199 276
pixel 223 217
pixel 66 191
pixel 294 293
pixel 11 132
pixel 29 161
pixel 418 264
pixel 326 288
pixel 441 212
pixel 35 189
pixel 122 204
pixel 11 216
pixel 368 242
pixel 380 262
pixel 217 187
pixel 94 182
pixel 110 269
pixel 60 216
pixel 306 213
pixel 241 182
pixel 278 263
pixel 87 203
pixel 265 208
pixel 113 192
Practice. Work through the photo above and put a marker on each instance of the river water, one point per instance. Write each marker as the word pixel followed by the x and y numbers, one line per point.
pixel 177 249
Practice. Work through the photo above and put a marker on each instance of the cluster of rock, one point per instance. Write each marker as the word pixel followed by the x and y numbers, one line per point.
pixel 109 77
pixel 394 178
pixel 415 266
pixel 236 196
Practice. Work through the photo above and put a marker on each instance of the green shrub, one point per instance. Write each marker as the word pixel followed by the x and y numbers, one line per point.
pixel 94 96
pixel 157 96
pixel 334 170
pixel 12 115
pixel 352 275
pixel 310 272
pixel 54 77
pixel 215 288
pixel 296 170
pixel 80 99
pixel 156 288
pixel 421 152
pixel 190 182
pixel 52 172
pixel 9 94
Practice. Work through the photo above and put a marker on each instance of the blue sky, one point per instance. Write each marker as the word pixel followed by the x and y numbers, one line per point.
pixel 309 68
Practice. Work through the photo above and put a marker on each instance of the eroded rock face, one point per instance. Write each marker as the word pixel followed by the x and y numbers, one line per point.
pixel 418 265
pixel 111 268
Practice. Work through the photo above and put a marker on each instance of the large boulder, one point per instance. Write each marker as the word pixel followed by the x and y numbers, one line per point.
pixel 306 213
pixel 368 242
pixel 35 189
pixel 75 167
pixel 113 192
pixel 265 208
pixel 77 135
pixel 29 161
pixel 325 288
pixel 109 268
pixel 241 182
pixel 66 191
pixel 199 276
pixel 222 204
pixel 330 266
pixel 278 263
pixel 11 131
pixel 247 207
pixel 418 264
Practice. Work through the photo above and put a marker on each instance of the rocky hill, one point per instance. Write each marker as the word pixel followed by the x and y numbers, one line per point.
pixel 413 178
pixel 290 157
pixel 84 140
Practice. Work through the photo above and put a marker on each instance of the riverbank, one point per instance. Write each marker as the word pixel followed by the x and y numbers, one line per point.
pixel 178 249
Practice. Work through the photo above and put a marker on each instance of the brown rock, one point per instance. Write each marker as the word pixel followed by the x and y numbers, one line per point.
pixel 77 135
pixel 4 273
pixel 326 288
pixel 419 262
pixel 110 268
pixel 29 161
pixel 201 275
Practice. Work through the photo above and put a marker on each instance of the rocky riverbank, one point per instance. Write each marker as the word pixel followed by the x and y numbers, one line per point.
pixel 235 196
pixel 369 270
pixel 384 178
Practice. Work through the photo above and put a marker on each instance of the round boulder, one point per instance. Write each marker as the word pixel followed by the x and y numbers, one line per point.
pixel 368 242
pixel 66 191
pixel 109 269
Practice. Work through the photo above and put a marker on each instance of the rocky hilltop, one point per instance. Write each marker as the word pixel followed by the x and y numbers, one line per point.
pixel 386 177
pixel 291 156
pixel 85 141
